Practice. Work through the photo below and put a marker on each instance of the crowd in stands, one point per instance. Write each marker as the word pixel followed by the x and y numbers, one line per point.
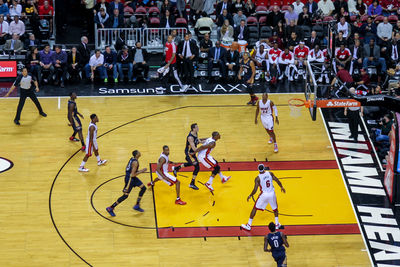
pixel 24 24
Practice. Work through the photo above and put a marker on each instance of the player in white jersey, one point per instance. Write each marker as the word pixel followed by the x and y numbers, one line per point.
pixel 91 141
pixel 204 156
pixel 266 106
pixel 267 195
pixel 162 174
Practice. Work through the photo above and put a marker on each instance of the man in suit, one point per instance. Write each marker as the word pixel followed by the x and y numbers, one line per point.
pixel 187 52
pixel 274 17
pixel 232 60
pixel 116 19
pixel 311 6
pixel 241 31
pixel 116 4
pixel 31 41
pixel 357 52
pixel 221 18
pixel 221 6
pixel 13 45
pixel 392 52
pixel 216 56
pixel 140 58
pixel 372 56
pixel 84 50
pixel 313 41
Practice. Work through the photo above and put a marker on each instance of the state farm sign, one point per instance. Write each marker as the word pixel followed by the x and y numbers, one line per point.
pixel 338 103
pixel 8 69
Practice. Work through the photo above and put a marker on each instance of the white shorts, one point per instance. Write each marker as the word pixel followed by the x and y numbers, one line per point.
pixel 90 147
pixel 267 122
pixel 208 162
pixel 171 180
pixel 263 200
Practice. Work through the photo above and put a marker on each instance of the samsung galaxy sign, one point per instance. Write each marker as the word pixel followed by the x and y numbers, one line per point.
pixel 363 179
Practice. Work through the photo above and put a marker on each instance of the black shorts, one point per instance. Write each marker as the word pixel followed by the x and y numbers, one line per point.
pixel 191 158
pixel 131 183
pixel 76 123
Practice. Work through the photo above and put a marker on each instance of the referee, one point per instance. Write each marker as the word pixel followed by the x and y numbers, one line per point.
pixel 24 82
pixel 353 116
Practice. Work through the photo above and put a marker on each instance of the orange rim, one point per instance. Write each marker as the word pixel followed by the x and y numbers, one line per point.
pixel 292 102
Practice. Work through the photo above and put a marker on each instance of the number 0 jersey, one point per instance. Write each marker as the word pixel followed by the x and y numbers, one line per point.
pixel 266 182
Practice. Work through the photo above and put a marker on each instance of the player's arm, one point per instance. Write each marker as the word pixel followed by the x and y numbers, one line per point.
pixel 266 244
pixel 253 71
pixel 274 108
pixel 80 115
pixel 240 72
pixel 257 111
pixel 70 111
pixel 284 239
pixel 256 185
pixel 36 86
pixel 191 143
pixel 202 140
pixel 160 162
pixel 278 182
pixel 210 145
pixel 135 171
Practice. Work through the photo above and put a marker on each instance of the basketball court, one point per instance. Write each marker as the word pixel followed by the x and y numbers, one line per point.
pixel 46 202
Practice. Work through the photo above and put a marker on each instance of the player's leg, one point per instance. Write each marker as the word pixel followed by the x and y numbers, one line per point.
pixel 139 183
pixel 88 150
pixel 274 206
pixel 33 97
pixel 81 138
pixel 96 153
pixel 261 203
pixel 21 104
pixel 252 214
pixel 129 184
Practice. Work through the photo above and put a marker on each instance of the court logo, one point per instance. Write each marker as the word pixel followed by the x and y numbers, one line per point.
pixel 5 164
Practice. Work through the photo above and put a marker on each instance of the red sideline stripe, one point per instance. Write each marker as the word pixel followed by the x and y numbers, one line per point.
pixel 274 165
pixel 229 231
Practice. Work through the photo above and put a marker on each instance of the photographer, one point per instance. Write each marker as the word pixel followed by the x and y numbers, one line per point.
pixel 382 134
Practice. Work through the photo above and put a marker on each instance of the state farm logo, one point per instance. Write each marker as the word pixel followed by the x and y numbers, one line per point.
pixel 5 165
pixel 8 69
pixel 335 103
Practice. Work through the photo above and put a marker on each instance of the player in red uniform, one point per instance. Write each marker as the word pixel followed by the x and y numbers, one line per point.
pixel 300 55
pixel 286 64
pixel 342 56
pixel 273 57
pixel 170 64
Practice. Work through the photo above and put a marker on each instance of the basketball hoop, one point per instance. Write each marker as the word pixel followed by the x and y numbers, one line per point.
pixel 295 105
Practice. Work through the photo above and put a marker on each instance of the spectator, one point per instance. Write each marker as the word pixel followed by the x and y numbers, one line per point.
pixel 340 40
pixel 374 9
pixel 102 19
pixel 393 50
pixel 203 23
pixel 95 65
pixel 291 15
pixel 232 59
pixel 46 12
pixel 313 40
pixel 357 56
pixel 382 134
pixel 225 15
pixel 343 14
pixel 249 8
pixel 361 7
pixel 236 6
pixel 84 51
pixel 140 58
pixel 216 58
pixel 326 7
pixel 274 17
pixel 167 20
pixel 31 41
pixel 120 42
pixel 14 44
pixel 117 19
pixel 390 7
pixel 298 6
pixel 238 17
pixel 102 4
pixel 3 30
pixel 15 9
pixel 344 76
pixel 221 6
pixel 384 31
pixel 356 27
pixel 175 38
pixel 338 5
pixel 372 56
pixel 227 32
pixel 46 62
pixel 343 56
pixel 31 15
pixel 206 43
pixel 345 27
pixel 275 39
pixel 293 41
pixel 280 30
pixel 110 64
pixel 116 4
pixel 32 63
pixel 369 30
pixel 208 7
pixel 166 5
pixel 356 37
pixel 74 63
pixel 293 28
pixel 125 60
pixel 362 82
pixel 187 52
pixel 305 18
pixel 312 7
pixel 396 28
pixel 196 7
pixel 351 4
pixel 60 65
pixel 17 26
pixel 4 8
pixel 241 31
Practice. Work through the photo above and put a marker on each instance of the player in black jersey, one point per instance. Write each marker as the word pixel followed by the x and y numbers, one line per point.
pixel 192 141
pixel 276 240
pixel 131 181
pixel 74 120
